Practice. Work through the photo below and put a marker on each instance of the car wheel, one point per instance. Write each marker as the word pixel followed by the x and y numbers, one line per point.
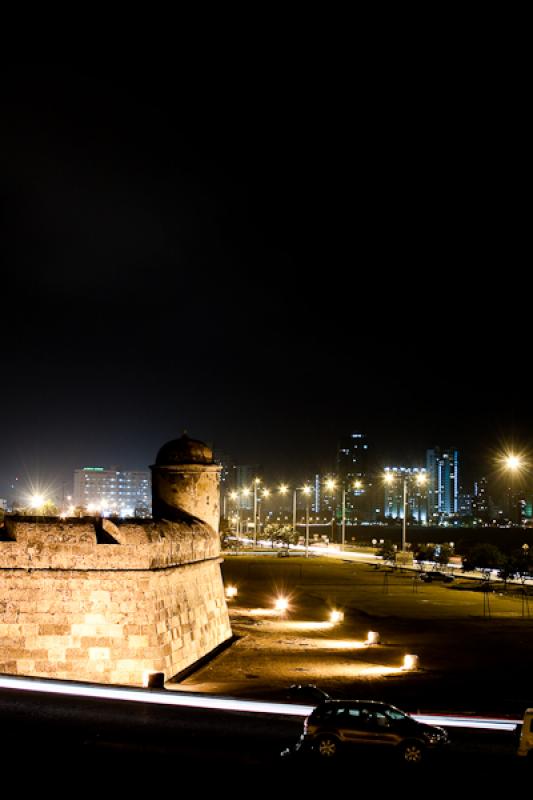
pixel 327 746
pixel 412 753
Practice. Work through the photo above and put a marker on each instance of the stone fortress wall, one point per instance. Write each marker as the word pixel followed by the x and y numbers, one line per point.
pixel 108 601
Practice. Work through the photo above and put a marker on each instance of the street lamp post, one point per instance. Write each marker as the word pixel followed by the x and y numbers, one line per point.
pixel 513 464
pixel 404 521
pixel 307 492
pixel 257 481
pixel 266 494
pixel 421 479
pixel 306 524
pixel 331 486
pixel 234 496
pixel 343 535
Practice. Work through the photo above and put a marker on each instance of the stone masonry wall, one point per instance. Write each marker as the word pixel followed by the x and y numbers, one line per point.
pixel 192 488
pixel 79 610
pixel 110 626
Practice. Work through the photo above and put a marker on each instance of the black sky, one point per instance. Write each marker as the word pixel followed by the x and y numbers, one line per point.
pixel 267 260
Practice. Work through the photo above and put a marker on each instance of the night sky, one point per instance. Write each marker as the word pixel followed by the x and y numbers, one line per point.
pixel 265 259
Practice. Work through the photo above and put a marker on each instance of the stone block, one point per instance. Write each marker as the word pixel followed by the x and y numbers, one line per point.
pixel 138 642
pixel 99 653
pixel 57 654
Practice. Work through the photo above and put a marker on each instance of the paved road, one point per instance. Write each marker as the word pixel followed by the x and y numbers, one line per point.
pixel 371 557
pixel 135 743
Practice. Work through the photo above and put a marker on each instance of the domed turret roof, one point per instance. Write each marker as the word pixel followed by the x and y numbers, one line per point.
pixel 184 451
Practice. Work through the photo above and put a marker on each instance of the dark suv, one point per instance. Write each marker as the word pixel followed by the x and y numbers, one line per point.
pixel 335 725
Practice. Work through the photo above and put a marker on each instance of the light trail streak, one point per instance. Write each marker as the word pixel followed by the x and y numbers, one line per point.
pixel 215 703
pixel 155 697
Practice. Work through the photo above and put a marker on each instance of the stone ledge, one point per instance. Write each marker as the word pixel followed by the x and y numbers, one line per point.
pixel 143 544
pixel 77 558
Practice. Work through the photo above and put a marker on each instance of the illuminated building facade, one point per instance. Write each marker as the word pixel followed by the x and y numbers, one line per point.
pixel 417 497
pixel 352 466
pixel 443 482
pixel 114 492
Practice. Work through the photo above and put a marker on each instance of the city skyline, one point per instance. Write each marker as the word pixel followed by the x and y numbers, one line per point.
pixel 356 467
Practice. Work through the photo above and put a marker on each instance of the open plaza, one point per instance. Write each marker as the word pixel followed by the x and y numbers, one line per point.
pixel 473 643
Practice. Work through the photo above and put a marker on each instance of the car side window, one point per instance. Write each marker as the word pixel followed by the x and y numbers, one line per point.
pixel 354 713
pixel 355 718
pixel 329 713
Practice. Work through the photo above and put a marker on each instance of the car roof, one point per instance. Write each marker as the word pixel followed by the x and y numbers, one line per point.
pixel 375 703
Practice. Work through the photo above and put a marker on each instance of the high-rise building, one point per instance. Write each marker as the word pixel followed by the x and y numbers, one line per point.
pixel 465 504
pixel 416 495
pixel 443 482
pixel 124 493
pixel 317 494
pixel 527 508
pixel 352 467
pixel 481 502
pixel 352 458
pixel 225 461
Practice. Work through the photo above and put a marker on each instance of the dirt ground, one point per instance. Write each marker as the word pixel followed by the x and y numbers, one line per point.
pixel 475 648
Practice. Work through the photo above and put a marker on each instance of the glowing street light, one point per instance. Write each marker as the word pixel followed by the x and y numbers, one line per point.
pixel 512 464
pixel 37 501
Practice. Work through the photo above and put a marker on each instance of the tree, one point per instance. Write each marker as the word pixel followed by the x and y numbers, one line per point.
pixel 483 556
pixel 388 551
pixel 425 552
pixel 280 533
pixel 48 509
pixel 225 533
pixel 517 564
